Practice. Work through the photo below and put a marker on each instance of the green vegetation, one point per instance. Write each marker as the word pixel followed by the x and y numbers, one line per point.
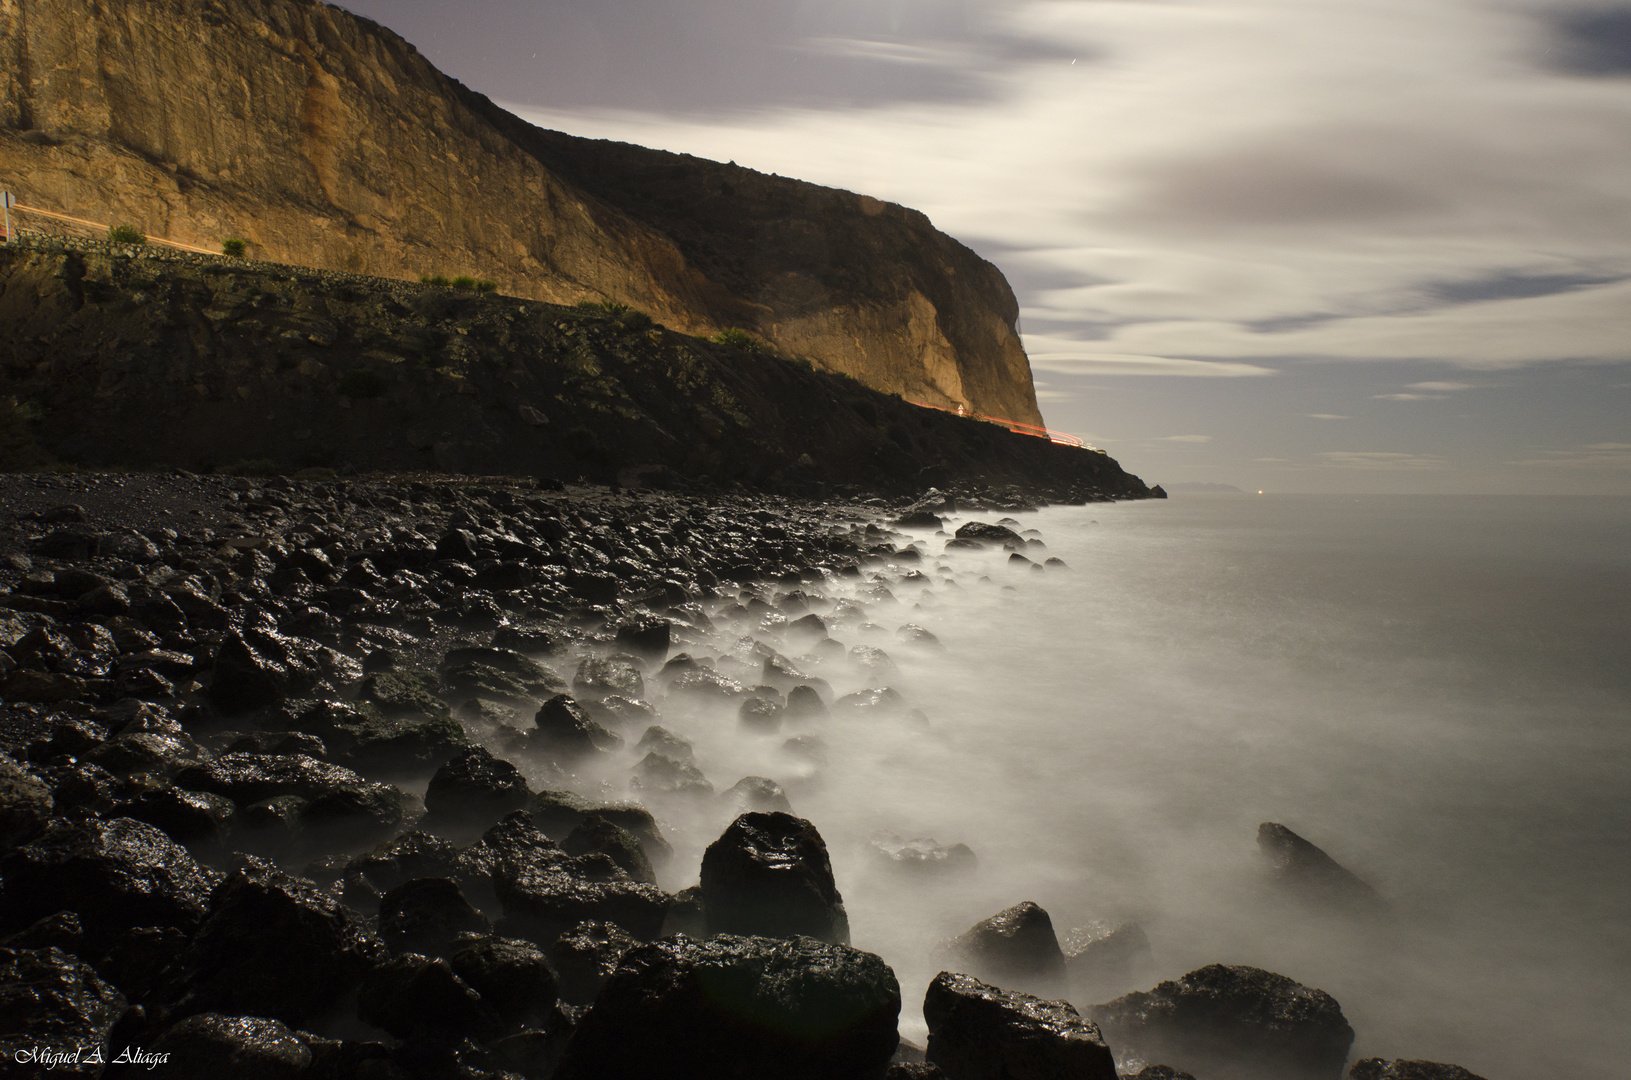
pixel 362 383
pixel 464 283
pixel 741 339
pixel 233 247
pixel 126 234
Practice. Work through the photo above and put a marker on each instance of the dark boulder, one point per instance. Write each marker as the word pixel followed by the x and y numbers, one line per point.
pixel 647 637
pixel 666 776
pixel 498 675
pixel 411 855
pixel 918 519
pixel 402 694
pixel 760 714
pixel 978 1032
pixel 55 1014
pixel 984 533
pixel 115 874
pixel 210 1046
pixel 586 956
pixel 659 740
pixel 756 793
pixel 739 1008
pixel 1308 873
pixel 561 726
pixel 187 817
pixel 1104 956
pixel 514 978
pixel 1015 948
pixel 275 946
pixel 335 800
pixel 417 996
pixel 257 667
pixel 474 787
pixel 427 915
pixel 597 678
pixel 1379 1069
pixel 550 892
pixel 596 833
pixel 1233 1023
pixel 804 703
pixel 768 874
pixel 359 736
pixel 25 805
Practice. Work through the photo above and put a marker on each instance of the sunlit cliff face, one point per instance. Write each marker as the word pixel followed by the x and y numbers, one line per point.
pixel 1422 689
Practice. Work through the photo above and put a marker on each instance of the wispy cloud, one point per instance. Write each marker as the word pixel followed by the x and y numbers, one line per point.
pixel 1409 397
pixel 1441 387
pixel 1602 455
pixel 1381 461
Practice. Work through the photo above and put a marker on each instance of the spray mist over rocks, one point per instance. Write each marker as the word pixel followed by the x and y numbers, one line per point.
pixel 422 733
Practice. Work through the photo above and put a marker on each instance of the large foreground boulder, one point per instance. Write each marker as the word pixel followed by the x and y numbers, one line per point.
pixel 1379 1069
pixel 1233 1023
pixel 978 1032
pixel 209 1045
pixel 769 874
pixel 739 1008
pixel 114 874
pixel 55 1014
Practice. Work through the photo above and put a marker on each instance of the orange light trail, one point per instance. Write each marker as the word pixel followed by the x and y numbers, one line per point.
pixel 1018 427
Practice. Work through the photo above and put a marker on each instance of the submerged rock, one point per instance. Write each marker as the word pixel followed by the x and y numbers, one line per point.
pixel 1104 956
pixel 978 1032
pixel 739 1008
pixel 1233 1023
pixel 769 874
pixel 1016 948
pixel 921 854
pixel 1309 873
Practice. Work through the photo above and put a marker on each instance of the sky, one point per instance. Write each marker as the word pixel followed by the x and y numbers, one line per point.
pixel 1290 245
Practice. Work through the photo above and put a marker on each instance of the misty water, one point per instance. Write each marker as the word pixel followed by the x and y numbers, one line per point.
pixel 1434 690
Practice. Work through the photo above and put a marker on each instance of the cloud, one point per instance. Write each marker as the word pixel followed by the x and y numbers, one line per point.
pixel 1069 356
pixel 1382 461
pixel 1327 416
pixel 1409 397
pixel 1441 387
pixel 1187 438
pixel 1593 41
pixel 1602 455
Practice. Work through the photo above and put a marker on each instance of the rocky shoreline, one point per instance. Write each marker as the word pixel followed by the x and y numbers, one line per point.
pixel 380 777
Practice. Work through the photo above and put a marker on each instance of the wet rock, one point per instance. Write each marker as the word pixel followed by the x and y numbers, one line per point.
pixel 360 736
pixel 761 715
pixel 878 701
pixel 55 1013
pixel 114 874
pixel 618 711
pixel 1161 1072
pixel 1305 871
pixel 562 727
pixel 336 799
pixel 498 675
pixel 1104 956
pixel 914 634
pixel 1379 1069
pixel 417 996
pixel 187 817
pixel 426 915
pixel 25 805
pixel 596 833
pixel 544 641
pixel 210 1046
pixel 1233 1023
pixel 918 519
pixel 551 892
pixel 647 637
pixel 981 532
pixel 597 678
pixel 660 740
pixel 811 627
pixel 60 930
pixel 1016 947
pixel 739 1008
pixel 664 775
pixel 978 1032
pixel 512 842
pixel 769 875
pixel 922 854
pixel 586 956
pixel 756 793
pixel 705 684
pixel 279 742
pixel 413 854
pixel 275 946
pixel 255 668
pixel 475 787
pixel 514 978
pixel 402 694
pixel 804 703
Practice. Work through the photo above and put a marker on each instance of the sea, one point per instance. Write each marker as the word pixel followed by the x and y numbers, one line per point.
pixel 1434 690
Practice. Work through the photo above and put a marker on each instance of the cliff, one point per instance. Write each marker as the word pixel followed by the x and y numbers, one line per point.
pixel 135 358
pixel 325 140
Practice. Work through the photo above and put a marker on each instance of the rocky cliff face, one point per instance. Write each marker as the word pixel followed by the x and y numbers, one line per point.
pixel 325 140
